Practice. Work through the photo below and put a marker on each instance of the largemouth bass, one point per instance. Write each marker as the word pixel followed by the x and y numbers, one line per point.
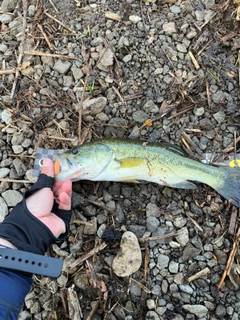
pixel 135 161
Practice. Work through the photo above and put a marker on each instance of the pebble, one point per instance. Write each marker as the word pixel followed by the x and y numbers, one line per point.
pixel 3 209
pixel 199 310
pixel 152 210
pixel 152 224
pixel 6 18
pixel 93 106
pixel 31 10
pixel 62 66
pixel 129 257
pixel 134 19
pixel 9 5
pixel 17 149
pixel 6 116
pixel 19 167
pixel 140 116
pixel 169 27
pixel 151 304
pixel 4 172
pixel 173 267
pixel 150 106
pixel 3 47
pixel 152 315
pixel 163 261
pixel 219 116
pixel 12 197
pixel 107 56
pixel 183 237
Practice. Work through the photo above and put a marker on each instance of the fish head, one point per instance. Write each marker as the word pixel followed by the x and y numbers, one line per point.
pixel 84 162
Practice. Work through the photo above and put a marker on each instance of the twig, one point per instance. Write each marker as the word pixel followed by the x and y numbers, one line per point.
pixel 208 94
pixel 14 180
pixel 94 310
pixel 206 22
pixel 146 262
pixel 165 236
pixel 59 22
pixel 21 47
pixel 233 220
pixel 199 274
pixel 100 206
pixel 51 47
pixel 192 144
pixel 81 103
pixel 194 60
pixel 88 255
pixel 61 138
pixel 53 6
pixel 140 285
pixel 45 54
pixel 5 72
pixel 230 260
pixel 184 110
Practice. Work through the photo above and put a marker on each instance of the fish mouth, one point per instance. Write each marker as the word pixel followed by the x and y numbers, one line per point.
pixel 63 164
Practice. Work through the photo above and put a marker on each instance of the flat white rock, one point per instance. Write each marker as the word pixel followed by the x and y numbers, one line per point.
pixel 129 258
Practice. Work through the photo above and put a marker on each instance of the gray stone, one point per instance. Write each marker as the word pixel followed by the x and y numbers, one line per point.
pixel 152 210
pixel 181 47
pixel 62 66
pixel 186 288
pixel 163 261
pixel 175 9
pixel 199 111
pixel 127 58
pixel 6 18
pixel 4 172
pixel 173 267
pixel 3 209
pixel 138 230
pixel 219 116
pixel 152 224
pixel 9 5
pixel 107 57
pixel 150 107
pixel 93 106
pixel 19 167
pixel 183 236
pixel 199 310
pixel 76 72
pixel 3 47
pixel 169 27
pixel 31 10
pixel 152 315
pixel 220 311
pixel 135 289
pixel 17 149
pixel 12 197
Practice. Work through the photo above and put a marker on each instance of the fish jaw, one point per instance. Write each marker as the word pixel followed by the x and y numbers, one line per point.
pixel 68 169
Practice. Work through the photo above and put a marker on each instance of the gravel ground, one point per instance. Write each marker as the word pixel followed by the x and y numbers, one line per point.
pixel 129 61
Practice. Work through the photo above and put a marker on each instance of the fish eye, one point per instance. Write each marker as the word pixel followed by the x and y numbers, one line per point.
pixel 75 150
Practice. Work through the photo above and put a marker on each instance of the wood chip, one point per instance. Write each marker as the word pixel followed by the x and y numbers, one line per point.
pixel 112 16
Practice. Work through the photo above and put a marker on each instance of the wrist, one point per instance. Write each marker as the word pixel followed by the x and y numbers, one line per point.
pixel 7 243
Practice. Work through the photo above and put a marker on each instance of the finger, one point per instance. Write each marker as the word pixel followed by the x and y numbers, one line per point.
pixel 47 167
pixel 62 186
pixel 64 201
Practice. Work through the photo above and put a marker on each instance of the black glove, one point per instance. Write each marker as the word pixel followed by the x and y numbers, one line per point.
pixel 25 231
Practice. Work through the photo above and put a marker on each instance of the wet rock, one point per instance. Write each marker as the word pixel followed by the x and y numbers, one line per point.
pixel 129 258
pixel 199 310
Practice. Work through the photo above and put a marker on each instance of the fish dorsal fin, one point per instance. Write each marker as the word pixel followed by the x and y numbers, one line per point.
pixel 176 149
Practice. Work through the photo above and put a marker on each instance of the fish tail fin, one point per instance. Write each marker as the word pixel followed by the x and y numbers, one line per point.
pixel 229 188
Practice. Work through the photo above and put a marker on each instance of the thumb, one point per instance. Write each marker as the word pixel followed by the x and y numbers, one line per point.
pixel 47 167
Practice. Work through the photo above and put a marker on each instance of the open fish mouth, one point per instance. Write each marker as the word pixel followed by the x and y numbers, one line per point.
pixel 63 164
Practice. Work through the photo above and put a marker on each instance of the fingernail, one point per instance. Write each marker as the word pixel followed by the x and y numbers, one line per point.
pixel 47 162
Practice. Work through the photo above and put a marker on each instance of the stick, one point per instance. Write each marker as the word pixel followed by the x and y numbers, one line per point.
pixel 192 144
pixel 14 180
pixel 230 259
pixel 39 53
pixel 21 47
pixel 194 60
pixel 165 236
pixel 59 22
pixel 88 255
pixel 51 47
pixel 199 274
pixel 233 219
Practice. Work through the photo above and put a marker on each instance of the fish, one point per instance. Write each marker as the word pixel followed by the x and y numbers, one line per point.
pixel 126 160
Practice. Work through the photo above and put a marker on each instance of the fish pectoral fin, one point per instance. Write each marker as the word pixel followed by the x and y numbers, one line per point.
pixel 183 185
pixel 130 162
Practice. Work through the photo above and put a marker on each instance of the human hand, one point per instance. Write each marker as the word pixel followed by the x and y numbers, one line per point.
pixel 41 202
pixel 41 217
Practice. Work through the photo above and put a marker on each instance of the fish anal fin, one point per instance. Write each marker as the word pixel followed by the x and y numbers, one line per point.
pixel 130 162
pixel 183 185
